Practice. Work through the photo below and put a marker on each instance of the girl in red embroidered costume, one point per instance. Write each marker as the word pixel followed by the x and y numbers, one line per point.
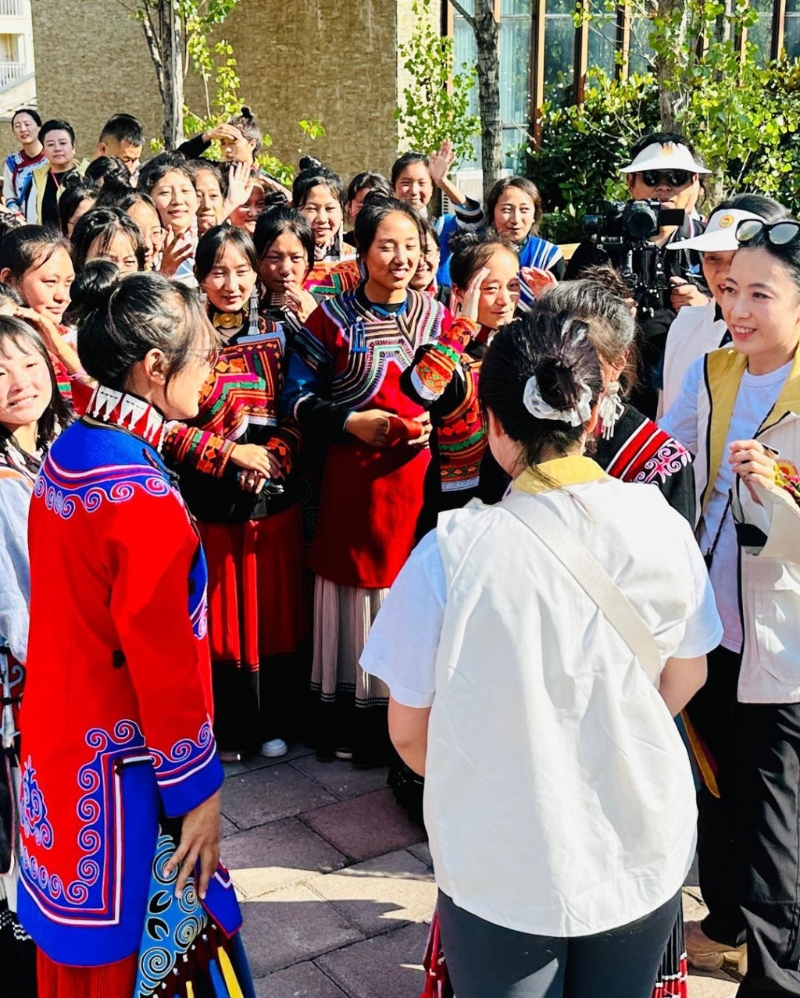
pixel 235 461
pixel 38 263
pixel 120 796
pixel 343 381
pixel 444 377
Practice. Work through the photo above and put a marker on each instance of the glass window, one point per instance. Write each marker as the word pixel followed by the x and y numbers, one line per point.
pixel 641 52
pixel 760 34
pixel 515 48
pixel 791 39
pixel 465 51
pixel 559 51
pixel 602 37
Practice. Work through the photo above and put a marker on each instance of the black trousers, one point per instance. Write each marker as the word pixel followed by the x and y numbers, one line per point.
pixel 712 711
pixel 488 961
pixel 749 839
pixel 767 833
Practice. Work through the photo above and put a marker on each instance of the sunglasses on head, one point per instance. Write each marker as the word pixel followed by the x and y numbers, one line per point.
pixel 777 233
pixel 674 178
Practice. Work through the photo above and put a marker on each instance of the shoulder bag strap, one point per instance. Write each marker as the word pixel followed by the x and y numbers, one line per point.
pixel 594 579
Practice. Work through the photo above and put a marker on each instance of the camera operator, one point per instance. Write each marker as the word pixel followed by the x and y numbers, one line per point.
pixel 664 185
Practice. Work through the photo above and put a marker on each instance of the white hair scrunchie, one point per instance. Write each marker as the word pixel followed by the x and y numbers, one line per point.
pixel 536 405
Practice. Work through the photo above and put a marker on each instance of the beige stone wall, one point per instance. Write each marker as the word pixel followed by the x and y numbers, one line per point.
pixel 91 62
pixel 335 60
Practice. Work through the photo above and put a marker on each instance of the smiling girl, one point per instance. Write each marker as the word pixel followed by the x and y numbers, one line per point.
pixel 343 383
pixel 169 182
pixel 739 411
pixel 444 377
pixel 38 263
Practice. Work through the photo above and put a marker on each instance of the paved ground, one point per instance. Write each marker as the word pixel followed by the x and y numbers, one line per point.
pixel 336 884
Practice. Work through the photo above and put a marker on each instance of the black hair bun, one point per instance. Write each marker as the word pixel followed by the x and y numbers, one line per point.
pixel 92 288
pixel 247 112
pixel 461 241
pixel 556 381
pixel 309 163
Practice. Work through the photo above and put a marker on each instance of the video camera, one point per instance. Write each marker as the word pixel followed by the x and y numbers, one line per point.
pixel 623 229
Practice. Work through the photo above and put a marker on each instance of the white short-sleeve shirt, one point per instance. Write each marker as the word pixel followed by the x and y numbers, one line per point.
pixel 559 798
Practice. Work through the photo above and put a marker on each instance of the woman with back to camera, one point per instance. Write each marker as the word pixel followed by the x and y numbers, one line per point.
pixel 738 411
pixel 112 774
pixel 527 710
pixel 235 460
pixel 343 384
pixel 32 414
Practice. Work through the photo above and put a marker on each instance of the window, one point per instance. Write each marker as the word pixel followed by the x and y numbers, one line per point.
pixel 515 49
pixel 791 39
pixel 559 51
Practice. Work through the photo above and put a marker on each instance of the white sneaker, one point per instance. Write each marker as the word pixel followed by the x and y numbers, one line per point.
pixel 274 748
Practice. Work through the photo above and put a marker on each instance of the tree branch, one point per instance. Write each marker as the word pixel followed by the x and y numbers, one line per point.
pixel 152 44
pixel 467 17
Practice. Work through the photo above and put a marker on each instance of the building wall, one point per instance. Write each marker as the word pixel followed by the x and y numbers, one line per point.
pixel 333 60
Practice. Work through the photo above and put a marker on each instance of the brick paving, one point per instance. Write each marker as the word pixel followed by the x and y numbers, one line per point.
pixel 336 883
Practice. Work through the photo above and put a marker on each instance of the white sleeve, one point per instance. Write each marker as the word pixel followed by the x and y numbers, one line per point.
pixel 680 421
pixel 703 628
pixel 404 639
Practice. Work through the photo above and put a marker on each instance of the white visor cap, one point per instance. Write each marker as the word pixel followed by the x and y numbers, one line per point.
pixel 720 234
pixel 670 156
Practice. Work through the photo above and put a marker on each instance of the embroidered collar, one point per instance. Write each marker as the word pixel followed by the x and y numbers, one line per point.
pixel 129 412
pixel 575 469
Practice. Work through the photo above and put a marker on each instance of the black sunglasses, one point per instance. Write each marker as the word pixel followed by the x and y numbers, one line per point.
pixel 674 178
pixel 777 233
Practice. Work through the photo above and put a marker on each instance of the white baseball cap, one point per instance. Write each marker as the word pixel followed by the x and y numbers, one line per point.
pixel 670 156
pixel 720 232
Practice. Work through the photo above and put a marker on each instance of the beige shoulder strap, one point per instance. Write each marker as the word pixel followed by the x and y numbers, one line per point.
pixel 594 579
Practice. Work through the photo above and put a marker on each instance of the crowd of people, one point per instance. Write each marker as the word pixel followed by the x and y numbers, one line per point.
pixel 319 465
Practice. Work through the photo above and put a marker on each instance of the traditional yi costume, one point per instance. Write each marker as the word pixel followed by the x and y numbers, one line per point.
pixel 258 617
pixel 444 380
pixel 349 358
pixel 117 730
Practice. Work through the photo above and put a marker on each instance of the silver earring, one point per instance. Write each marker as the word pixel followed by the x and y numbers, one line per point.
pixel 610 409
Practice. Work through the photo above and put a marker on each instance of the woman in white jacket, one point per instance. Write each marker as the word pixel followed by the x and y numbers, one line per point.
pixel 558 798
pixel 739 412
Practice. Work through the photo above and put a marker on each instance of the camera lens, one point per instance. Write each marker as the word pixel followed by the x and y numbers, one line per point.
pixel 639 220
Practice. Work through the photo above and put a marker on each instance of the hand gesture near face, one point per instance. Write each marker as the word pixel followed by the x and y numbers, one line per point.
pixel 440 163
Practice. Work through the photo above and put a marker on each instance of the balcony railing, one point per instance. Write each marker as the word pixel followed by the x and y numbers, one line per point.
pixel 12 8
pixel 10 72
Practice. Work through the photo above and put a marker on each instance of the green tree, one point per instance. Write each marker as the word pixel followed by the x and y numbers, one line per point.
pixel 708 82
pixel 436 105
pixel 480 17
pixel 176 32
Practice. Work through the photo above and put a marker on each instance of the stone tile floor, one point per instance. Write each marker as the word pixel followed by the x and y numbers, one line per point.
pixel 336 883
